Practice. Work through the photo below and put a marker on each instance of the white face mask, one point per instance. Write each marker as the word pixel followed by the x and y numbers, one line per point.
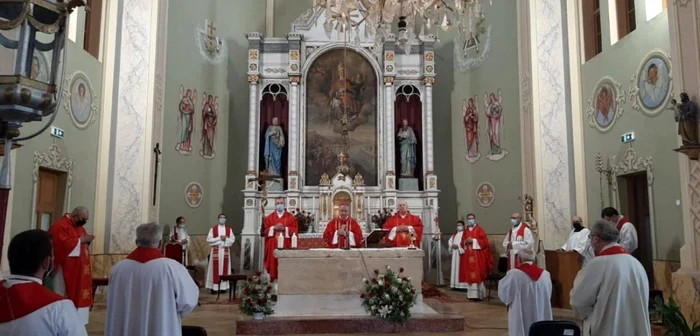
pixel 514 222
pixel 280 207
pixel 460 228
pixel 222 221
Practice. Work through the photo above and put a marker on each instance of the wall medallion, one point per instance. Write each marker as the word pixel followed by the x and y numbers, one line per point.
pixel 652 84
pixel 80 100
pixel 485 194
pixel 606 104
pixel 194 195
pixel 212 48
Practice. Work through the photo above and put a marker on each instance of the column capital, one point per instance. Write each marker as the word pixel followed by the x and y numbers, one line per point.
pixel 429 80
pixel 389 80
pixel 253 79
pixel 294 79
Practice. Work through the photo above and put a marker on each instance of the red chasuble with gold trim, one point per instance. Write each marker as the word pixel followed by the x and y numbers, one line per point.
pixel 77 271
pixel 336 224
pixel 475 265
pixel 288 221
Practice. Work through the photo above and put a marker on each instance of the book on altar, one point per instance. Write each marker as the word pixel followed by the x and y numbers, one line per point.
pixel 376 238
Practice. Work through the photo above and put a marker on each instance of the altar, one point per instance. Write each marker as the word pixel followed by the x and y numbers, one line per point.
pixel 328 282
pixel 337 121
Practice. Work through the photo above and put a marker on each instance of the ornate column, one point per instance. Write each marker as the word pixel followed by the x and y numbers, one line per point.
pixel 430 181
pixel 294 79
pixel 683 19
pixel 389 73
pixel 254 42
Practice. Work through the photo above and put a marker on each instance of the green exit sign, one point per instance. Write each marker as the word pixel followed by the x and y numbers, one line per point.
pixel 57 132
pixel 627 137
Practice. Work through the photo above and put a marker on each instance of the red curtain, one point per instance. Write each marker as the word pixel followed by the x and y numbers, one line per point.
pixel 270 107
pixel 412 111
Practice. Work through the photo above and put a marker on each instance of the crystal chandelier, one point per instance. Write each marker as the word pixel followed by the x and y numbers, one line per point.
pixel 424 16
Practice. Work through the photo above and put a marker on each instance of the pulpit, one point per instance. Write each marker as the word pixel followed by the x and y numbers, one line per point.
pixel 563 267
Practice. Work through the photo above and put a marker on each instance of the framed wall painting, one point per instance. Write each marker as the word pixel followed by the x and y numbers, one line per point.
pixel 606 105
pixel 80 100
pixel 652 84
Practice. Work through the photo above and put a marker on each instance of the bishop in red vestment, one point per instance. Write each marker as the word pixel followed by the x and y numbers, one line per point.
pixel 73 277
pixel 280 222
pixel 343 231
pixel 402 226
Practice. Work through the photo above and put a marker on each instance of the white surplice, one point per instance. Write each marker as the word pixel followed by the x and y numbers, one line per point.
pixel 475 290
pixel 59 285
pixel 518 243
pixel 611 294
pixel 628 236
pixel 528 301
pixel 57 318
pixel 149 298
pixel 217 242
pixel 181 237
pixel 577 241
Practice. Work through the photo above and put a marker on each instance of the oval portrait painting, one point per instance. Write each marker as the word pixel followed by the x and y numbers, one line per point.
pixel 81 100
pixel 605 105
pixel 653 82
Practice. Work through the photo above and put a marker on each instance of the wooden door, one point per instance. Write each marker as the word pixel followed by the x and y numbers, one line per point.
pixel 49 200
pixel 639 214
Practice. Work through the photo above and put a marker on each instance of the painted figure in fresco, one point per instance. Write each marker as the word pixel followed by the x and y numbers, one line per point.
pixel 210 109
pixel 686 114
pixel 342 96
pixel 470 115
pixel 407 143
pixel 274 142
pixel 654 88
pixel 185 120
pixel 605 114
pixel 494 113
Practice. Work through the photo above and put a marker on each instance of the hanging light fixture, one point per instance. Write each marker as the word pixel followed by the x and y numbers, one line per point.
pixel 32 40
pixel 379 15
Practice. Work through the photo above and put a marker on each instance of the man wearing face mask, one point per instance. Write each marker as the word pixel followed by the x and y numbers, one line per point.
pixel 179 241
pixel 26 306
pixel 578 237
pixel 73 276
pixel 280 222
pixel 220 238
pixel 476 263
pixel 519 237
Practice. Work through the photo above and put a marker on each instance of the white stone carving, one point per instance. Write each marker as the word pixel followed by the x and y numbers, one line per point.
pixel 633 91
pixel 51 159
pixel 82 110
pixel 619 99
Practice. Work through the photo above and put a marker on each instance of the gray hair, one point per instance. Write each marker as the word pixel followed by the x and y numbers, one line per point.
pixel 527 254
pixel 80 209
pixel 606 231
pixel 148 235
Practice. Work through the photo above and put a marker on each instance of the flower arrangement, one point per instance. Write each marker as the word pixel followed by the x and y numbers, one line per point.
pixel 304 219
pixel 389 296
pixel 381 217
pixel 257 296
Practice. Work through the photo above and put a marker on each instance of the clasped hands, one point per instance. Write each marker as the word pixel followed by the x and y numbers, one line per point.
pixel 343 231
pixel 86 239
pixel 278 227
pixel 468 241
pixel 402 228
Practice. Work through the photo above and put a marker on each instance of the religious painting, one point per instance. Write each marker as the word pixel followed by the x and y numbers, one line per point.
pixel 341 94
pixel 210 116
pixel 80 100
pixel 471 49
pixel 210 46
pixel 470 119
pixel 605 107
pixel 185 120
pixel 651 84
pixel 485 194
pixel 493 109
pixel 40 67
pixel 194 195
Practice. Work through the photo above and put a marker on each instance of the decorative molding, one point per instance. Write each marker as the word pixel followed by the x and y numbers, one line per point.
pixel 295 79
pixel 253 79
pixel 275 70
pixel 633 91
pixel 408 72
pixel 429 80
pixel 194 195
pixel 68 104
pixel 632 163
pixel 525 94
pixel 388 80
pixel 485 194
pixel 51 159
pixel 694 192
pixel 619 99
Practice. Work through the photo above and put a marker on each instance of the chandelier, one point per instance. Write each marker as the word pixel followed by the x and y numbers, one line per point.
pixel 422 16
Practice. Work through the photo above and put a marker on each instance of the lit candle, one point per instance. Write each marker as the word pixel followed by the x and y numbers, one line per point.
pixel 294 241
pixel 280 241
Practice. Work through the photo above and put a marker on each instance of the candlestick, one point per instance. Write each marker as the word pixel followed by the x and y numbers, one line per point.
pixel 294 241
pixel 280 241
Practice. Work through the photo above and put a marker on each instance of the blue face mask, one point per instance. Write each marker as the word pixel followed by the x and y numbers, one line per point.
pixel 280 207
pixel 222 221
pixel 471 222
pixel 460 228
pixel 514 222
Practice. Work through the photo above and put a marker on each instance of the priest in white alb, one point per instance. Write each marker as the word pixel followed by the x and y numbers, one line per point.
pixel 578 237
pixel 220 238
pixel 519 237
pixel 148 293
pixel 527 291
pixel 611 294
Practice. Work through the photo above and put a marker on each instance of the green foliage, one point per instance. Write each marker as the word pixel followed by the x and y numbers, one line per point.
pixel 673 319
pixel 389 296
pixel 257 296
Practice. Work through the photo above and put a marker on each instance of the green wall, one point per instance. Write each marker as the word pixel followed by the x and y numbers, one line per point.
pixel 77 145
pixel 222 178
pixel 655 136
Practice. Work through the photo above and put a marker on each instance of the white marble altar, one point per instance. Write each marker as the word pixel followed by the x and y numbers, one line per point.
pixel 329 281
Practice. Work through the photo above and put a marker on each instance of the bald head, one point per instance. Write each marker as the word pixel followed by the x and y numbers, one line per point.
pixel 402 207
pixel 577 223
pixel 80 215
pixel 344 211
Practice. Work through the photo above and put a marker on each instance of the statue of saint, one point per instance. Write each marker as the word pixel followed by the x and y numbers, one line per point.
pixel 686 114
pixel 407 143
pixel 274 142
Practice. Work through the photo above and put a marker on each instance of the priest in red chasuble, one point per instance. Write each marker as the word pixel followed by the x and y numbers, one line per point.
pixel 403 226
pixel 343 231
pixel 73 277
pixel 280 222
pixel 475 260
pixel 220 238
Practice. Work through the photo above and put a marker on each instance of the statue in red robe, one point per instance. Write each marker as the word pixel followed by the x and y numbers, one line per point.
pixel 404 227
pixel 343 231
pixel 279 222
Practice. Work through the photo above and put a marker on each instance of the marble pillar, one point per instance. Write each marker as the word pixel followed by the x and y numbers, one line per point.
pixel 142 26
pixel 550 106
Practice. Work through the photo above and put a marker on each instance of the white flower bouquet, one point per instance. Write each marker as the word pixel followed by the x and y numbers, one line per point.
pixel 389 296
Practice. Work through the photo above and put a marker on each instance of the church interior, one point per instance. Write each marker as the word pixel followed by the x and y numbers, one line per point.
pixel 547 108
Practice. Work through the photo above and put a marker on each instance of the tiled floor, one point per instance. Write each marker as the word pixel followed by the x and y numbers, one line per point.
pixel 482 318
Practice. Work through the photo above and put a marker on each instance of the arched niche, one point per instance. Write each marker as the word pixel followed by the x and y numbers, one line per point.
pixel 51 160
pixel 274 103
pixel 340 197
pixel 409 106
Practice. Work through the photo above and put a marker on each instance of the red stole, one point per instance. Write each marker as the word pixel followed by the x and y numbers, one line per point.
pixel 613 250
pixel 22 299
pixel 215 254
pixel 77 271
pixel 621 222
pixel 145 254
pixel 175 235
pixel 521 234
pixel 532 270
pixel 475 265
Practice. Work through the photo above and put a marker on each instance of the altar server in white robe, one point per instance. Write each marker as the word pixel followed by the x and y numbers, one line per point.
pixel 179 235
pixel 456 244
pixel 519 237
pixel 148 293
pixel 527 291
pixel 628 233
pixel 578 237
pixel 26 306
pixel 611 294
pixel 220 238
